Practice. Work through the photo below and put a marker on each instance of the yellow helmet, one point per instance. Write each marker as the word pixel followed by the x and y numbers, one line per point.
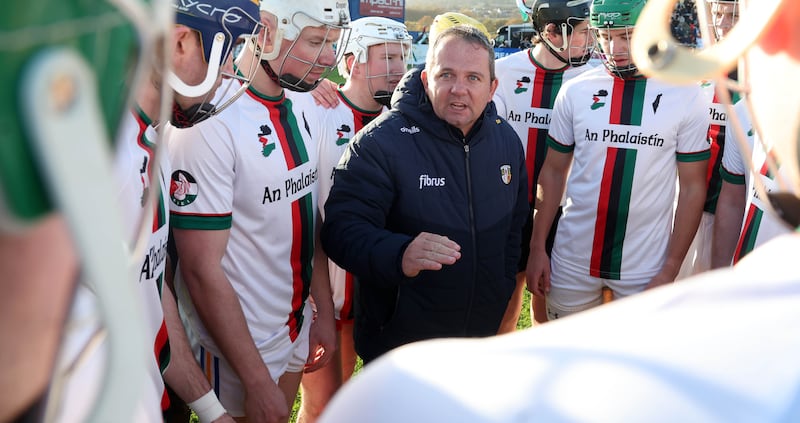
pixel 451 19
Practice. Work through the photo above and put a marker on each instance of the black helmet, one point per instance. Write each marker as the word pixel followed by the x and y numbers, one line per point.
pixel 564 14
pixel 543 12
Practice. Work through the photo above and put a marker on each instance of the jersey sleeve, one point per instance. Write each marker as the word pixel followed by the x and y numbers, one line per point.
pixel 499 94
pixel 733 168
pixel 560 136
pixel 693 143
pixel 201 185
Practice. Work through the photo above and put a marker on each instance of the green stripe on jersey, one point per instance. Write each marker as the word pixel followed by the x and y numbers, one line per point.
pixel 202 222
pixel 694 156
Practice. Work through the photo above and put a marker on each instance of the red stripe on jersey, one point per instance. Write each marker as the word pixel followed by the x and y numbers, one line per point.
pixel 297 269
pixel 747 233
pixel 617 100
pixel 346 312
pixel 602 216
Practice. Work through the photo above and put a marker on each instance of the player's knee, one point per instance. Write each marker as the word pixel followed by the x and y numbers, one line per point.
pixel 555 310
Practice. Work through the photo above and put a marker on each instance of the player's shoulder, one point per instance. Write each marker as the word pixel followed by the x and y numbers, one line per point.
pixel 586 80
pixel 515 61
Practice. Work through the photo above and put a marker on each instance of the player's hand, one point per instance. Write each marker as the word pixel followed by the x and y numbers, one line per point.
pixel 537 272
pixel 321 342
pixel 325 94
pixel 662 278
pixel 265 403
pixel 429 252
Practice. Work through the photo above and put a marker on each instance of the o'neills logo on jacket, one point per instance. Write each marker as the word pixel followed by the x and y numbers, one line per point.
pixel 427 181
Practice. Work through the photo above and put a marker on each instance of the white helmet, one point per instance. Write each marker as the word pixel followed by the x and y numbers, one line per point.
pixel 723 16
pixel 292 17
pixel 370 31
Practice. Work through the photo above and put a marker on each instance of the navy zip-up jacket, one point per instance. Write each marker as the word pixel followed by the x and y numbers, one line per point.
pixel 409 172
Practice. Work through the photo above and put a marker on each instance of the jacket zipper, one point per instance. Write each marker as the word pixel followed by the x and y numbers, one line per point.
pixel 474 238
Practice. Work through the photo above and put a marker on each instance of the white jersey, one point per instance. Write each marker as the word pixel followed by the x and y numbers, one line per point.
pixel 251 170
pixel 760 224
pixel 627 136
pixel 525 97
pixel 698 257
pixel 133 168
pixel 332 131
pixel 672 354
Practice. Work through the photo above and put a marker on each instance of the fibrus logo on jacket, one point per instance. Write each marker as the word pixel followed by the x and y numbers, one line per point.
pixel 427 181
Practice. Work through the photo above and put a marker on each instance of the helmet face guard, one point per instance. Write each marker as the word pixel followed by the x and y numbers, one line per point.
pixel 565 15
pixel 722 16
pixel 323 22
pixel 613 22
pixel 577 54
pixel 378 37
pixel 763 43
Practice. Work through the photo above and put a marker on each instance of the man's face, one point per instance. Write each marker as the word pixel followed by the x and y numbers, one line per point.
pixel 311 55
pixel 616 45
pixel 385 66
pixel 458 83
pixel 724 15
pixel 581 40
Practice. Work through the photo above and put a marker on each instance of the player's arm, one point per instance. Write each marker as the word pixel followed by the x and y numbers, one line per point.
pixel 732 198
pixel 552 182
pixel 218 306
pixel 183 374
pixel 727 223
pixel 322 339
pixel 692 183
pixel 39 272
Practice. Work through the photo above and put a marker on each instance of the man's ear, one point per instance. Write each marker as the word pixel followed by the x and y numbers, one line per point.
pixel 423 76
pixel 350 60
pixel 270 23
pixel 551 29
pixel 180 39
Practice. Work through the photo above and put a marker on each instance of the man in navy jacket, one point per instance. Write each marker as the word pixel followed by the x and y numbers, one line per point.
pixel 428 203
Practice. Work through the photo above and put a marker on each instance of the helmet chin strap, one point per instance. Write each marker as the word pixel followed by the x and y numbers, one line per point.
pixel 384 98
pixel 290 82
pixel 185 118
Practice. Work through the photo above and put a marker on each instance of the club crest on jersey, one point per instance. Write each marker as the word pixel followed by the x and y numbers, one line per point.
pixel 182 188
pixel 266 146
pixel 596 103
pixel 340 134
pixel 522 85
pixel 505 174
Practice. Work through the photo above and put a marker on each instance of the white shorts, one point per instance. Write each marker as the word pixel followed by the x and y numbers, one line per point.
pixel 698 258
pixel 280 355
pixel 572 290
